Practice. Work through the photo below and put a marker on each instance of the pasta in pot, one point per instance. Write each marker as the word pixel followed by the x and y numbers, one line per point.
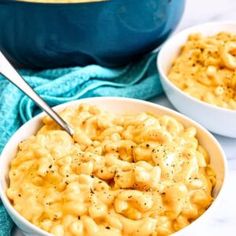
pixel 120 175
pixel 206 69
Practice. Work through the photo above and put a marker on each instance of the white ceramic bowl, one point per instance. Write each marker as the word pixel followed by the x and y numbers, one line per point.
pixel 115 105
pixel 216 119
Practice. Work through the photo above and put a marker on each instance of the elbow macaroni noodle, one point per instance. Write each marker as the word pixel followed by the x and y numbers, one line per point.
pixel 119 175
pixel 206 69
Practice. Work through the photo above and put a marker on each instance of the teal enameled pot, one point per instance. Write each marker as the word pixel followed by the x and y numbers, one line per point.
pixel 110 33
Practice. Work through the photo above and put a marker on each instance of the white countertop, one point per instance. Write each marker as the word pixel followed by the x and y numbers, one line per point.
pixel 224 221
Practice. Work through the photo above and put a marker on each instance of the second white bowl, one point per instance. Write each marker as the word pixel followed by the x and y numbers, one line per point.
pixel 218 120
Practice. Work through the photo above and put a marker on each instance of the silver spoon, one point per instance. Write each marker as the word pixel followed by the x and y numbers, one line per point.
pixel 9 72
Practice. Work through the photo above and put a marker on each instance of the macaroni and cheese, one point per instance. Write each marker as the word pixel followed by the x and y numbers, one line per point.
pixel 206 69
pixel 119 175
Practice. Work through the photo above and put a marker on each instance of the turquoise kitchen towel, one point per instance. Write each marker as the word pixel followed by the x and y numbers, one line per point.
pixel 56 86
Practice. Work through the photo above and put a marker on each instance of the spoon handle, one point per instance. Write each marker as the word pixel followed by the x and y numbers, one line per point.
pixel 8 71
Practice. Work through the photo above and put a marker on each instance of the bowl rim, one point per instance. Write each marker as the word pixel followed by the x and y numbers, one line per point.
pixel 167 110
pixel 55 3
pixel 187 31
